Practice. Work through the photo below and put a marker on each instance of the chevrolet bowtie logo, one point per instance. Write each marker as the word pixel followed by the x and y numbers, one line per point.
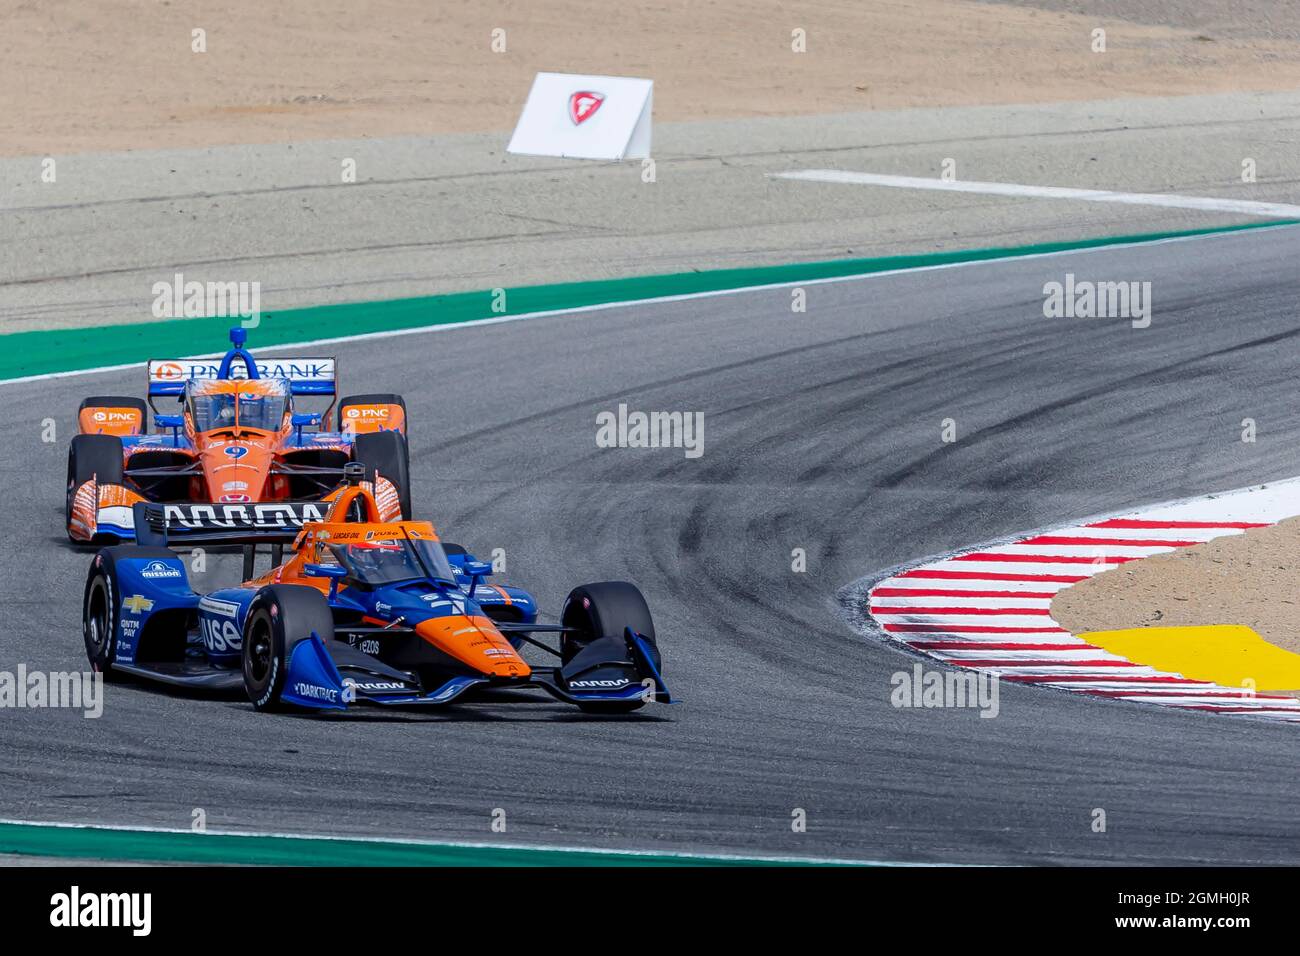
pixel 137 603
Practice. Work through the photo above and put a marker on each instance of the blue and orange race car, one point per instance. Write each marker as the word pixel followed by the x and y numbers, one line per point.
pixel 239 463
pixel 363 611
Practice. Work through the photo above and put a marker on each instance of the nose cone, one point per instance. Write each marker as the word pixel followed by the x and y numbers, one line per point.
pixel 474 640
pixel 236 470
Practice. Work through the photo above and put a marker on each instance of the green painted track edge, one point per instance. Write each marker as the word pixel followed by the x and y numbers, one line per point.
pixel 44 352
pixel 185 847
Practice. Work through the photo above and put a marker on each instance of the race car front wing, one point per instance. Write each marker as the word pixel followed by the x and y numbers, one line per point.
pixel 334 678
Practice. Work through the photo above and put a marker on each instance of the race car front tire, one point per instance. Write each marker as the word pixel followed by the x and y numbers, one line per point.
pixel 91 456
pixel 101 604
pixel 117 401
pixel 386 452
pixel 599 611
pixel 281 617
pixel 376 398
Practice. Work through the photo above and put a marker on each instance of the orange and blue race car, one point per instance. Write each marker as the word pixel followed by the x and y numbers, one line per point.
pixel 239 463
pixel 364 611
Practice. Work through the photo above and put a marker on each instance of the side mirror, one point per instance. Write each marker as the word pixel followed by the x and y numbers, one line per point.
pixel 335 571
pixel 169 421
pixel 304 419
pixel 476 571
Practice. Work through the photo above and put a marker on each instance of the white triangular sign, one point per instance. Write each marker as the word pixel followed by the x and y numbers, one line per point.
pixel 585 117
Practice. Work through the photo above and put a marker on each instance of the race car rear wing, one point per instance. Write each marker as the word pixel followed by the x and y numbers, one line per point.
pixel 161 525
pixel 307 376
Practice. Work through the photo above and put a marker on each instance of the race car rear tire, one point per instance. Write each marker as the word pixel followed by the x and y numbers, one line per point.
pixel 602 610
pixel 387 453
pixel 101 604
pixel 281 617
pixel 118 401
pixel 376 398
pixel 90 456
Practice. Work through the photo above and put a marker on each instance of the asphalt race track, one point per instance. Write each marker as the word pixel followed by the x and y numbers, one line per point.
pixel 822 432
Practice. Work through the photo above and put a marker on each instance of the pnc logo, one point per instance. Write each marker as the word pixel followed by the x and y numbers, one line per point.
pixel 169 371
pixel 583 105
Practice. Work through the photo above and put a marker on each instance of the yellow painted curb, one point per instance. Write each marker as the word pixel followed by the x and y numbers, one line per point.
pixel 1228 654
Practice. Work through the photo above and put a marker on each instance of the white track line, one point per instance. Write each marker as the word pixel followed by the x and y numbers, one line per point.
pixel 1272 210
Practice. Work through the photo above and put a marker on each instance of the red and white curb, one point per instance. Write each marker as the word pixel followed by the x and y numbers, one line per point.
pixel 988 609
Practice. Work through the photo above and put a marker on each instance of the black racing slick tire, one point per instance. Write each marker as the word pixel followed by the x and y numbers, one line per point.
pixel 118 401
pixel 386 452
pixel 282 616
pixel 97 456
pixel 603 610
pixel 376 398
pixel 101 603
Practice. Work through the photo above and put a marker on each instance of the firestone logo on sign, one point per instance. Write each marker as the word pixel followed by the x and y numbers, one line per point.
pixel 557 118
pixel 583 105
